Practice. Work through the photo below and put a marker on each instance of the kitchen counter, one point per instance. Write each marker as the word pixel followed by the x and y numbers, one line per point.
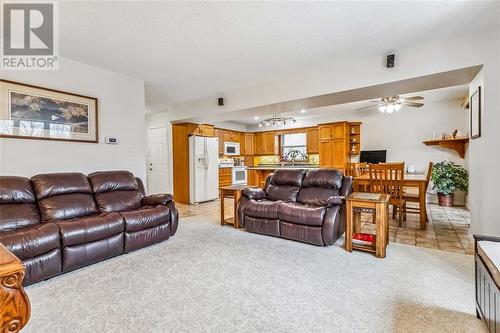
pixel 279 167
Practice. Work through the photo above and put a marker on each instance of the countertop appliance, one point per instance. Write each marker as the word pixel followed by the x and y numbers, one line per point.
pixel 239 175
pixel 231 148
pixel 226 162
pixel 203 169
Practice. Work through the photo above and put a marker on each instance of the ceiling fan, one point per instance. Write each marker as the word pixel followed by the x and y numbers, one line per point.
pixel 394 103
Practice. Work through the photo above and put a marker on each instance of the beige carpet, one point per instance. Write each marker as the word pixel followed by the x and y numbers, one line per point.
pixel 218 279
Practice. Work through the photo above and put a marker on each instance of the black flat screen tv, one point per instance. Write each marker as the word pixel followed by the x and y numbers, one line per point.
pixel 373 156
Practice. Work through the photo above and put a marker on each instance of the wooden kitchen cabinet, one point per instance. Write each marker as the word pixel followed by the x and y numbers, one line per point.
pixel 230 136
pixel 259 144
pixel 225 177
pixel 312 138
pixel 325 153
pixel 248 144
pixel 270 143
pixel 218 133
pixel 325 132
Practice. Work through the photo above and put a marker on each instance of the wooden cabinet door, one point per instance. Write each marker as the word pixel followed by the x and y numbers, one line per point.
pixel 248 146
pixel 227 136
pixel 259 143
pixel 225 177
pixel 269 143
pixel 220 135
pixel 325 132
pixel 251 178
pixel 312 138
pixel 325 154
pixel 206 130
pixel 339 131
pixel 339 154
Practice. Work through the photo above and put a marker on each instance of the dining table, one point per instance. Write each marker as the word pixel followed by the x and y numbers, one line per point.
pixel 410 180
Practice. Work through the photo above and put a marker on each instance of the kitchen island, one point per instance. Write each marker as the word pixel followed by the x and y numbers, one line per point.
pixel 257 174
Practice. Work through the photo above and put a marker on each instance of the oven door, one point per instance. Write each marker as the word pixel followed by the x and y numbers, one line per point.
pixel 239 176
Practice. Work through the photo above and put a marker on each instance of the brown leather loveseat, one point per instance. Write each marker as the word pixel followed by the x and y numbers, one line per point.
pixel 307 206
pixel 59 222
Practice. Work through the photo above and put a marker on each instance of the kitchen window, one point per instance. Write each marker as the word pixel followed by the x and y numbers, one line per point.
pixel 294 147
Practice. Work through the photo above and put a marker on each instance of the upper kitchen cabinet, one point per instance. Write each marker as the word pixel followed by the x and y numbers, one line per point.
pixel 265 143
pixel 199 129
pixel 336 142
pixel 325 132
pixel 230 136
pixel 248 144
pixel 312 138
pixel 220 135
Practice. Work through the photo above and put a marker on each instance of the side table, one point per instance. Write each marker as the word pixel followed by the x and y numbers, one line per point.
pixel 372 203
pixel 232 191
pixel 14 304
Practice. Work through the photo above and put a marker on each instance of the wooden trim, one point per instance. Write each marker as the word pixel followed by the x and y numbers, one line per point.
pixel 15 307
pixel 56 139
pixel 457 144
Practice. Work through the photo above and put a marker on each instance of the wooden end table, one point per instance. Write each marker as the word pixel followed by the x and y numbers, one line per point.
pixel 15 307
pixel 232 191
pixel 373 203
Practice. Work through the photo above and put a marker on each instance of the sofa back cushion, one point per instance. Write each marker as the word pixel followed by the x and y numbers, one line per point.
pixel 63 196
pixel 284 185
pixel 17 204
pixel 116 191
pixel 321 187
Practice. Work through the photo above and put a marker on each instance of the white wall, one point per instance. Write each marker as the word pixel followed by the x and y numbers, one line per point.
pixel 121 114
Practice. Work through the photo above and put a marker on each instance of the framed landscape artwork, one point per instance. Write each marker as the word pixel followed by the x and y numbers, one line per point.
pixel 475 114
pixel 31 112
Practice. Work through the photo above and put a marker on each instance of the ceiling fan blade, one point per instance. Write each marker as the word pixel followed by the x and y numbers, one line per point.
pixel 367 107
pixel 413 104
pixel 413 98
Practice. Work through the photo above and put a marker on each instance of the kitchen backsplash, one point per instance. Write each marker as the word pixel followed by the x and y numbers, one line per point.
pixel 274 159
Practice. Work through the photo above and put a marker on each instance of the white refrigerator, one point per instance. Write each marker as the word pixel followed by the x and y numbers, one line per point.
pixel 203 169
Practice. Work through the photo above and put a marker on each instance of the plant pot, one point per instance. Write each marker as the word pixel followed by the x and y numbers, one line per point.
pixel 446 200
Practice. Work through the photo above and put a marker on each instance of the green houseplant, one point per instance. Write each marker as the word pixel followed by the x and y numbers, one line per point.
pixel 448 177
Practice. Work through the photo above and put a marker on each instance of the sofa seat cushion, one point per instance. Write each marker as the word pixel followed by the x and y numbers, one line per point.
pixel 301 213
pixel 146 217
pixel 263 209
pixel 90 228
pixel 31 242
pixel 490 253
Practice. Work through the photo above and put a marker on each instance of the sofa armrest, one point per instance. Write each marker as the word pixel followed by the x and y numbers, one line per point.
pixel 157 199
pixel 335 200
pixel 346 188
pixel 254 193
pixel 478 238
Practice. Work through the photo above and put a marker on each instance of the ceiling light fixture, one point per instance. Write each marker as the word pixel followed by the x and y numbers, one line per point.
pixel 302 111
pixel 390 104
pixel 277 119
pixel 256 118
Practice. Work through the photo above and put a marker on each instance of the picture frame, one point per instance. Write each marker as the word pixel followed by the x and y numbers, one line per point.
pixel 38 113
pixel 475 114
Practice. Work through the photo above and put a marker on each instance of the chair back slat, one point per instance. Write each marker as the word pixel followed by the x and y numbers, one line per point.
pixel 356 169
pixel 387 178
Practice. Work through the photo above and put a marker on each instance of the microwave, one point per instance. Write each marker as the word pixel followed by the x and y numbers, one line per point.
pixel 231 148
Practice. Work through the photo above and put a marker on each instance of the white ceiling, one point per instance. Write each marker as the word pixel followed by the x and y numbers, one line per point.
pixel 191 50
pixel 455 93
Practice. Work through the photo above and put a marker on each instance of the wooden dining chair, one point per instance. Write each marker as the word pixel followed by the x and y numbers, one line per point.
pixel 356 170
pixel 388 178
pixel 414 197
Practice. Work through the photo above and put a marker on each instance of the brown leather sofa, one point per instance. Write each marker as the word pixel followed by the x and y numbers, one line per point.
pixel 307 206
pixel 59 222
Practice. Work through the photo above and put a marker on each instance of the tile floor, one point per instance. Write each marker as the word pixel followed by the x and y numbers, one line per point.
pixel 447 228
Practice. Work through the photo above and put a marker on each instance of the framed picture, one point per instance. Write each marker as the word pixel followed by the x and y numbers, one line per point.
pixel 475 114
pixel 31 112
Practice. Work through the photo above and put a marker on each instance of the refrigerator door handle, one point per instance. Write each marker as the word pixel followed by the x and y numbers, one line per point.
pixel 206 156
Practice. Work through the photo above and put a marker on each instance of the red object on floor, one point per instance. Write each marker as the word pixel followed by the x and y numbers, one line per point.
pixel 364 237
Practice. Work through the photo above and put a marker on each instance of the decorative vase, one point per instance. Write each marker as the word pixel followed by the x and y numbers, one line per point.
pixel 446 200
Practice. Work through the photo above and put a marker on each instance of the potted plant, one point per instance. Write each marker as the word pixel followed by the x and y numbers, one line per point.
pixel 448 177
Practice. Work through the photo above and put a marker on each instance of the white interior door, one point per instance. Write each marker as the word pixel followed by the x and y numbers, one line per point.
pixel 157 160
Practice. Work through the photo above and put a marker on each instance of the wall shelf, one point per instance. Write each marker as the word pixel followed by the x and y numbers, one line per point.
pixel 457 144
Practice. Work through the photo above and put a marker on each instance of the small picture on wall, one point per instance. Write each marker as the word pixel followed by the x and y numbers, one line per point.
pixel 33 112
pixel 475 114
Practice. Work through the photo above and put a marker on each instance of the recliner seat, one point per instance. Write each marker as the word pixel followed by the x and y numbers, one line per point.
pixel 306 206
